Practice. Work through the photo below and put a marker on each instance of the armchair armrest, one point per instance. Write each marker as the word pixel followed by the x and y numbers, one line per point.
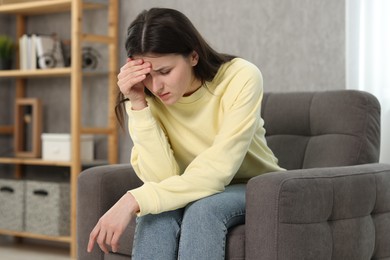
pixel 320 213
pixel 98 189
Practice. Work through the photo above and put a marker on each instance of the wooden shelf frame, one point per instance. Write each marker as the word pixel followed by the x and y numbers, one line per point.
pixel 7 130
pixel 75 8
pixel 32 161
pixel 45 6
pixel 66 239
pixel 37 73
pixel 47 73
pixel 39 161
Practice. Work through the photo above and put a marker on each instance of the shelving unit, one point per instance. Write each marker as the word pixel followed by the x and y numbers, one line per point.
pixel 76 8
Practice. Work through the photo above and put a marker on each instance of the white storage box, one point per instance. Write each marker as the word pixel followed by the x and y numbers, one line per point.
pixel 48 208
pixel 12 205
pixel 57 147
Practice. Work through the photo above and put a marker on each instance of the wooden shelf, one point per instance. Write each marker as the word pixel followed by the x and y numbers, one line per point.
pixel 66 239
pixel 45 73
pixel 97 38
pixel 39 161
pixel 98 130
pixel 43 7
pixel 6 130
pixel 29 161
pixel 76 74
pixel 57 72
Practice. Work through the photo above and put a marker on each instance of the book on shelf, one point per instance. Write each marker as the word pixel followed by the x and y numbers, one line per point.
pixel 22 51
pixel 40 52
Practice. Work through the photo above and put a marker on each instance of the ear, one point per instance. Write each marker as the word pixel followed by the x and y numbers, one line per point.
pixel 194 58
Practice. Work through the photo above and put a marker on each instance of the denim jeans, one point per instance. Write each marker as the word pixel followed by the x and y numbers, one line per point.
pixel 197 231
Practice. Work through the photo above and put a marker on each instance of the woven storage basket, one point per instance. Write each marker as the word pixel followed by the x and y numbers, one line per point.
pixel 47 208
pixel 12 205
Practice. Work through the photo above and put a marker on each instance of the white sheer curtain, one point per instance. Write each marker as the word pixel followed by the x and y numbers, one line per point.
pixel 368 57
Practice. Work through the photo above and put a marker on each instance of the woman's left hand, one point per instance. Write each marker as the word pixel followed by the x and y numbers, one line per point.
pixel 112 224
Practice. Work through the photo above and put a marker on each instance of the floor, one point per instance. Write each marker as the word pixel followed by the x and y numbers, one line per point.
pixel 31 250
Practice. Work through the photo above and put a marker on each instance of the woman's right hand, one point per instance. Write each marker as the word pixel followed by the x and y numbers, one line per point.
pixel 113 223
pixel 130 83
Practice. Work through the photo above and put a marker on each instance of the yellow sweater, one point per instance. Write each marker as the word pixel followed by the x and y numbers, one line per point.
pixel 197 146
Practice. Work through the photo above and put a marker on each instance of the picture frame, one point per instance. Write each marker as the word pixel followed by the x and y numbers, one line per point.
pixel 28 127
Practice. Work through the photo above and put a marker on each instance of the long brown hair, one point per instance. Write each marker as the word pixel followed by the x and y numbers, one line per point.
pixel 168 31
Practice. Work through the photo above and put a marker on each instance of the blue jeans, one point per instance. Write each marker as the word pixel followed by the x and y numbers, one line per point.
pixel 197 231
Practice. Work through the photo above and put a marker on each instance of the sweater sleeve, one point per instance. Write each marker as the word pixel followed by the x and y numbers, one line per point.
pixel 151 157
pixel 215 167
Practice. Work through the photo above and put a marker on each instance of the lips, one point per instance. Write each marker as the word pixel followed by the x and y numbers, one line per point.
pixel 163 96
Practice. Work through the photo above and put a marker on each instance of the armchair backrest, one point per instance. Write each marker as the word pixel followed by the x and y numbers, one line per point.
pixel 322 129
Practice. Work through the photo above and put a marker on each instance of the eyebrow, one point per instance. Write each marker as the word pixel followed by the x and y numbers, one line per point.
pixel 162 68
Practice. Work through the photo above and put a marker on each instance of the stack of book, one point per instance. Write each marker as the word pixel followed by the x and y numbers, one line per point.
pixel 40 52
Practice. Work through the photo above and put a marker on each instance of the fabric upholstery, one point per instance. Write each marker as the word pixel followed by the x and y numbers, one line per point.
pixel 98 189
pixel 333 202
pixel 319 129
pixel 321 213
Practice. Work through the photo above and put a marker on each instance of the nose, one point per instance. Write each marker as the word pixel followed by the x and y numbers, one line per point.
pixel 157 84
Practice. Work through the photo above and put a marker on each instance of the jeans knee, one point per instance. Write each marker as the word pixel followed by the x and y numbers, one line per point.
pixel 200 214
pixel 167 221
pixel 218 209
pixel 157 236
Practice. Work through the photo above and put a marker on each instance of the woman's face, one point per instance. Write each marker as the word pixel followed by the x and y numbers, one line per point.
pixel 171 76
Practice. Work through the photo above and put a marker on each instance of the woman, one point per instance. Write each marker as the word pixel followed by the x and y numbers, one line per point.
pixel 194 118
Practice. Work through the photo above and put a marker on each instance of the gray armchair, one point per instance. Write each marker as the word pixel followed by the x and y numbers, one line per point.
pixel 333 202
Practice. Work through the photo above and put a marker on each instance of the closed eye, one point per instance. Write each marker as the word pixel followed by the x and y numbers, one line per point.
pixel 165 72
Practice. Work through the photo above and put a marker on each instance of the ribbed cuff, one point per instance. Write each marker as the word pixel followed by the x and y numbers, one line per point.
pixel 146 198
